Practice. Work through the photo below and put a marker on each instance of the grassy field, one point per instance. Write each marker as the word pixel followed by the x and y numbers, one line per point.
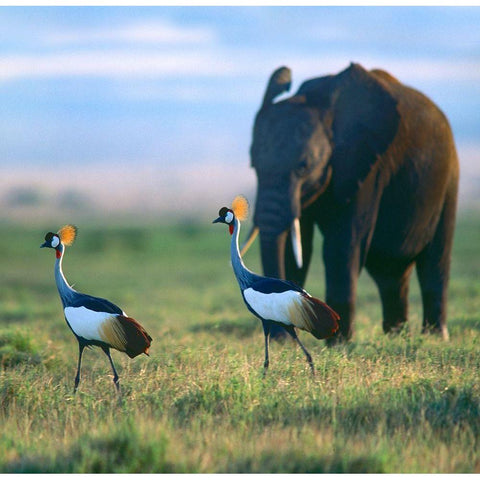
pixel 404 404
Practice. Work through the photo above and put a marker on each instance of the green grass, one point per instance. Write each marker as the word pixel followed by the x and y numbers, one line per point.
pixel 404 404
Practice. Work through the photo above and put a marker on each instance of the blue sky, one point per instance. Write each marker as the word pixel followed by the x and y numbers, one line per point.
pixel 99 86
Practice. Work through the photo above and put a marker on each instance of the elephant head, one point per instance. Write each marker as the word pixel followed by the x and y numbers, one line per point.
pixel 326 137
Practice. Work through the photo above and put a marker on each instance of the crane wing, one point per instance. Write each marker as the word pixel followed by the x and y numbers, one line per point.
pixel 286 303
pixel 96 304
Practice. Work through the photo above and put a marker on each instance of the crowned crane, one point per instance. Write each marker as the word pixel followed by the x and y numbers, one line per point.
pixel 272 300
pixel 94 321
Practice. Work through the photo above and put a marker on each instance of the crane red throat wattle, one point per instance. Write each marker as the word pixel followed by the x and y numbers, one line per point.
pixel 230 228
pixel 58 253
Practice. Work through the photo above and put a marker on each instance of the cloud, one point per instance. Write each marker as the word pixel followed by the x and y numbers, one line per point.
pixel 407 70
pixel 159 32
pixel 208 62
pixel 115 63
pixel 427 69
pixel 164 49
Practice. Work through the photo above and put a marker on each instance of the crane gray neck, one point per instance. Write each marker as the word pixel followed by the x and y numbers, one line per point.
pixel 64 289
pixel 245 277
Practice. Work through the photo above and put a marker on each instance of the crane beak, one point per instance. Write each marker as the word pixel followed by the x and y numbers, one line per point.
pixel 218 220
pixel 43 245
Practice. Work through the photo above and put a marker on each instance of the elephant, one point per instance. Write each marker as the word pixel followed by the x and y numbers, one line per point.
pixel 372 163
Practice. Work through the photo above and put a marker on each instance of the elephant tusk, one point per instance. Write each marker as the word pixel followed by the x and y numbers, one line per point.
pixel 297 242
pixel 250 239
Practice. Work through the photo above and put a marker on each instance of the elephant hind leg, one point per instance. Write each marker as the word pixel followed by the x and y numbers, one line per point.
pixel 433 270
pixel 393 284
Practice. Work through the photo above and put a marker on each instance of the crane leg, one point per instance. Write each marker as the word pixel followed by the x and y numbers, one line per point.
pixel 293 333
pixel 266 331
pixel 115 374
pixel 81 346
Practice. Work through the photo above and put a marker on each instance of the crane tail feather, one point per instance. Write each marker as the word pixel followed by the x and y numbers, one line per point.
pixel 128 336
pixel 322 320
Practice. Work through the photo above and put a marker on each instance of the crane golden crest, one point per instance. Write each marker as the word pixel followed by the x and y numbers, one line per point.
pixel 67 234
pixel 240 207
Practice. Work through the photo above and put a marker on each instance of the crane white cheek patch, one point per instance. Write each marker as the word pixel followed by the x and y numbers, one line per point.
pixel 229 217
pixel 55 241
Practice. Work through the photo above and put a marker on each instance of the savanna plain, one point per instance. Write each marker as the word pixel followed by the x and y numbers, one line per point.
pixel 394 404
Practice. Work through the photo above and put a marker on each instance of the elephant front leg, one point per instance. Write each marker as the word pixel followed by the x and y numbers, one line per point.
pixel 341 270
pixel 345 307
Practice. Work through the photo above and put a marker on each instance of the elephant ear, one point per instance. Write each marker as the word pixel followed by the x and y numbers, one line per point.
pixel 280 81
pixel 364 120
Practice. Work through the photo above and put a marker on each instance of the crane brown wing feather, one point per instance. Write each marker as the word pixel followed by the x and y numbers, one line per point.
pixel 318 318
pixel 138 340
pixel 127 335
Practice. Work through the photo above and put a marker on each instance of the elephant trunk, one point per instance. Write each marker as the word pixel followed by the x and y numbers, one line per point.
pixel 272 250
pixel 277 216
pixel 278 204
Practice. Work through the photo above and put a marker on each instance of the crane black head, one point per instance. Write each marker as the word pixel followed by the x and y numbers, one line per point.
pixel 238 210
pixel 227 216
pixel 52 240
pixel 65 236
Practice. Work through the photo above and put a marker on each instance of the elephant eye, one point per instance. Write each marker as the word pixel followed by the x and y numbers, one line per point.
pixel 302 168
